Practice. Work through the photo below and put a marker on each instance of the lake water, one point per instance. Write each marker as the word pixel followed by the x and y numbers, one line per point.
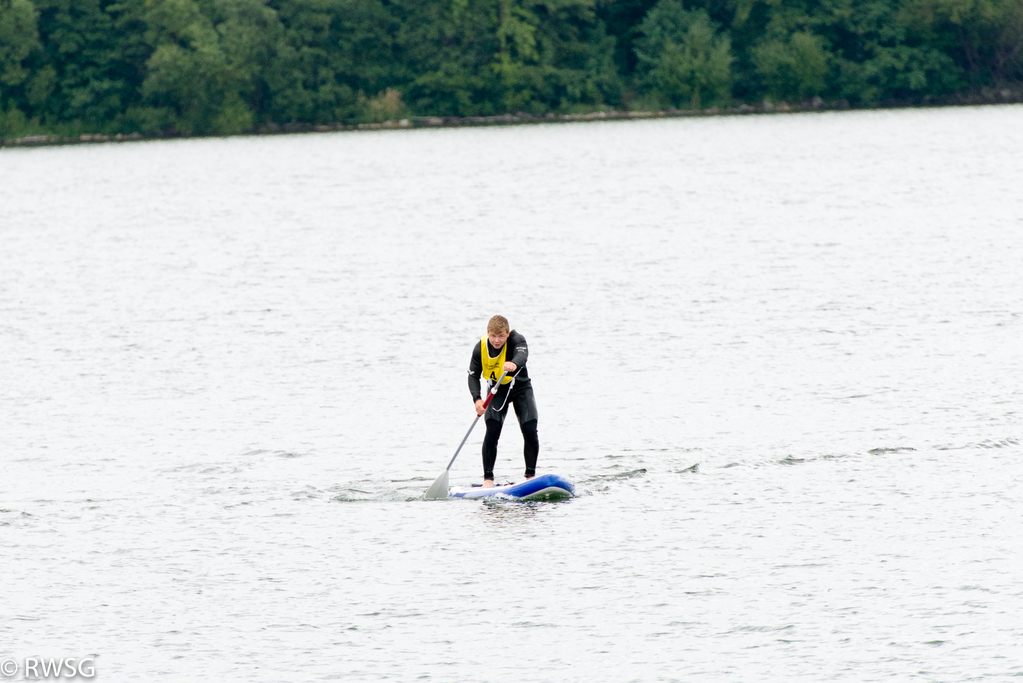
pixel 779 356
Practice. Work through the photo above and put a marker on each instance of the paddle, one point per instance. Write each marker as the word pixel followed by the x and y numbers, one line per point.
pixel 439 488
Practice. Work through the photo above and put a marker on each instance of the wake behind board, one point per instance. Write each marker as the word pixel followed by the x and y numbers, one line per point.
pixel 542 487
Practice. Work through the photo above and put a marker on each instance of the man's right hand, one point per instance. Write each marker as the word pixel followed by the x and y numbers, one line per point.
pixel 479 407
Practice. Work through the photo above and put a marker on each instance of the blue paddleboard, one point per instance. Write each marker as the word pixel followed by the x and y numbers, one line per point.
pixel 542 487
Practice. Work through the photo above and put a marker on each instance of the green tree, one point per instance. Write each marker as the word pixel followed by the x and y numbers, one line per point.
pixel 553 54
pixel 224 66
pixel 19 37
pixel 251 38
pixel 878 54
pixel 481 57
pixel 863 50
pixel 985 37
pixel 517 54
pixel 793 68
pixel 79 80
pixel 621 17
pixel 200 76
pixel 335 55
pixel 899 72
pixel 683 58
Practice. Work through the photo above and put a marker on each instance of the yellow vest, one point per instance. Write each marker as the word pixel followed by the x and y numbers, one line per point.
pixel 493 367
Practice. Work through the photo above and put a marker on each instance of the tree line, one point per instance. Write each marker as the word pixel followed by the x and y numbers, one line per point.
pixel 228 66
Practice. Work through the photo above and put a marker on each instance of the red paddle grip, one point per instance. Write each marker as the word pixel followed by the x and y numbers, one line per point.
pixel 493 390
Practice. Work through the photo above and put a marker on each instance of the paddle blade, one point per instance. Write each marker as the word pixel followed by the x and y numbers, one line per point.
pixel 439 488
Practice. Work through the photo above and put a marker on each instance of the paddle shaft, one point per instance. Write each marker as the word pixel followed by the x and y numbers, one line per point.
pixel 486 403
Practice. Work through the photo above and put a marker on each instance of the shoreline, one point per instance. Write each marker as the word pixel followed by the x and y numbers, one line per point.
pixel 982 98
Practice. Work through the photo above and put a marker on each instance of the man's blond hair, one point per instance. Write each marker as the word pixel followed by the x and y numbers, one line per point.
pixel 498 325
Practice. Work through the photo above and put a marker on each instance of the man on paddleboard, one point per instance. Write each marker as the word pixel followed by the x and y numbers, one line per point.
pixel 504 350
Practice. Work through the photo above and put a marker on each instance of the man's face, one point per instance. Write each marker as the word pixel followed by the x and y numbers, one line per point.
pixel 497 340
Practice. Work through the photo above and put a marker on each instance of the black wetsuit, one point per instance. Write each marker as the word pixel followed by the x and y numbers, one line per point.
pixel 518 392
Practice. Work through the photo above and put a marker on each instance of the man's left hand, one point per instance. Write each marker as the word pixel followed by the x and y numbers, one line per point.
pixel 510 367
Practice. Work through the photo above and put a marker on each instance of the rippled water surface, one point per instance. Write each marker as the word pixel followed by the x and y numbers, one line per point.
pixel 779 356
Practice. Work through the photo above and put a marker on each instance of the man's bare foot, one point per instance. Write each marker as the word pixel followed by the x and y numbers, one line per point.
pixel 488 483
pixel 530 476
